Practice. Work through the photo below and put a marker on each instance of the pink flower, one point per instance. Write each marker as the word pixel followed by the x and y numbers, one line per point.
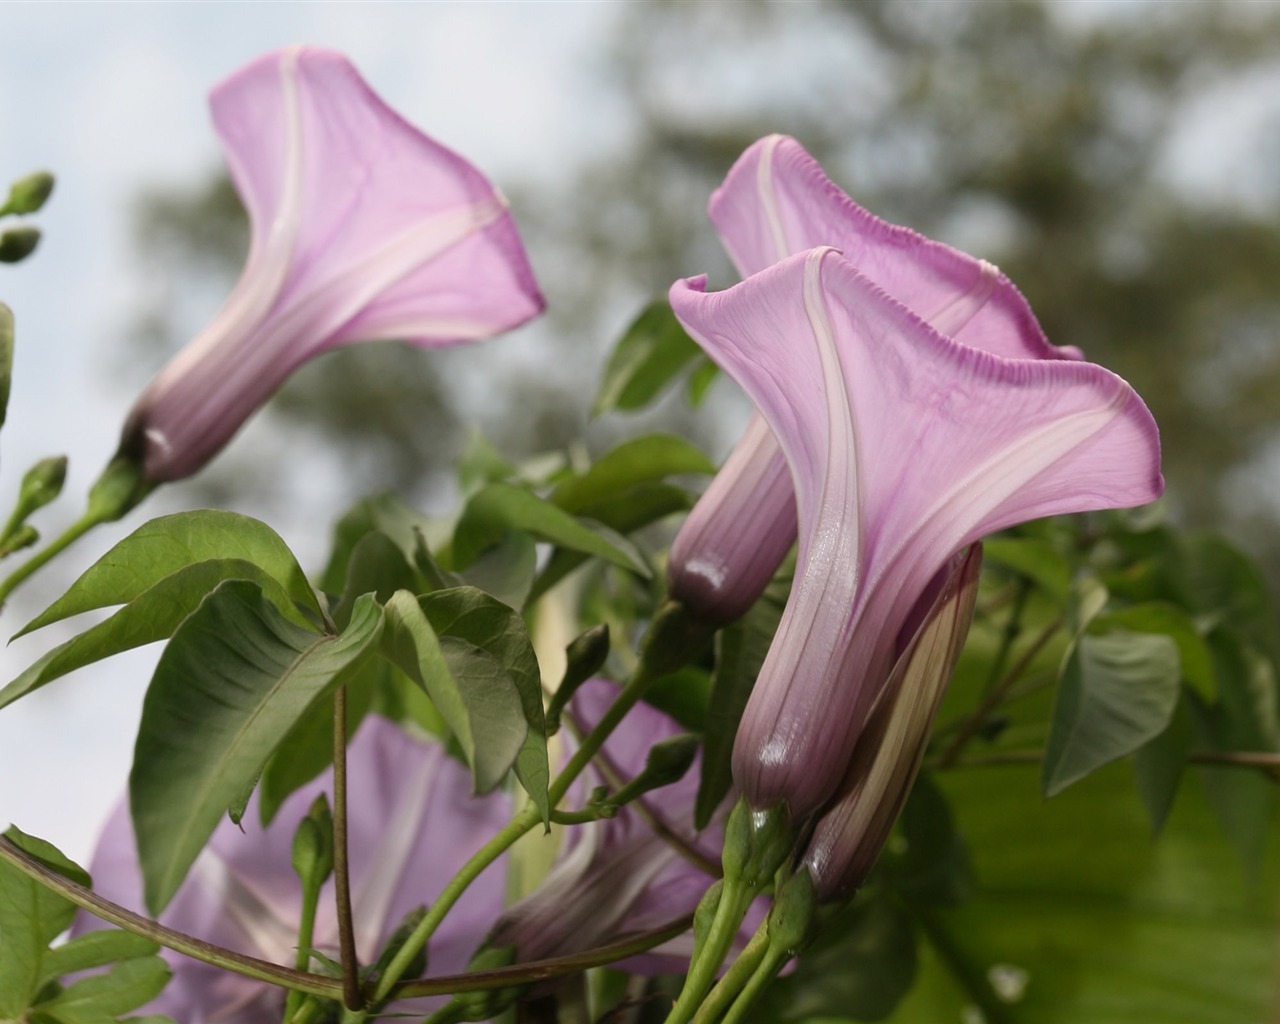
pixel 775 202
pixel 362 228
pixel 628 874
pixel 412 823
pixel 904 445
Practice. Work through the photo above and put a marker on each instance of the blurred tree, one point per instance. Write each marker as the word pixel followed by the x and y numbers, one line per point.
pixel 1030 133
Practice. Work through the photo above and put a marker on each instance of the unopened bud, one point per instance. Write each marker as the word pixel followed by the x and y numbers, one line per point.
pixel 667 763
pixel 583 659
pixel 42 483
pixel 18 243
pixel 27 195
pixel 23 537
pixel 313 846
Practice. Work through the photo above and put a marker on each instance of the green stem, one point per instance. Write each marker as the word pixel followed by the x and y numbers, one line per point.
pixel 483 857
pixel 969 727
pixel 544 970
pixel 770 964
pixel 120 487
pixel 73 533
pixel 341 871
pixel 306 934
pixel 198 949
pixel 722 996
pixel 709 955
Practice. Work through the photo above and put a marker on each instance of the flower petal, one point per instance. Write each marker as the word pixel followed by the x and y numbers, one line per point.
pixel 903 446
pixel 362 229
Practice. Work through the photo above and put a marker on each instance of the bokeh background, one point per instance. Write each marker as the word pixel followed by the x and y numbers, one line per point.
pixel 1119 160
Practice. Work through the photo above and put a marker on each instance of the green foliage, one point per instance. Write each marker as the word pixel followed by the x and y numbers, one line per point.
pixel 31 917
pixel 485 644
pixel 1077 915
pixel 647 358
pixel 233 680
pixel 163 546
pixel 6 359
pixel 1119 691
pixel 496 510
pixel 483 709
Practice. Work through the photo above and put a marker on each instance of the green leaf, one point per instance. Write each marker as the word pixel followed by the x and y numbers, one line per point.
pixel 1032 557
pixel 652 351
pixel 481 706
pixel 377 566
pixel 646 459
pixel 1078 917
pixel 505 571
pixel 380 513
pixel 307 748
pixel 31 917
pixel 740 651
pixel 95 949
pixel 1223 585
pixel 935 867
pixel 152 615
pixel 1171 621
pixel 499 508
pixel 1244 718
pixel 626 511
pixel 1117 692
pixel 483 639
pixel 164 546
pixel 1159 766
pixel 101 998
pixel 6 358
pixel 700 380
pixel 235 678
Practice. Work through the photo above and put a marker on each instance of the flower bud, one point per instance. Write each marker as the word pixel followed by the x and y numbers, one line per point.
pixel 850 832
pixel 18 243
pixel 312 852
pixel 28 194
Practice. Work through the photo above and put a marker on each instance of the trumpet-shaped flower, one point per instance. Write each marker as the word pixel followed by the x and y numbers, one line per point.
pixel 412 823
pixel 775 202
pixel 362 228
pixel 852 830
pixel 904 445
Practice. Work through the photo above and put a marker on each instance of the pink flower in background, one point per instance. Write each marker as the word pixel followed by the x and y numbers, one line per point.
pixel 362 229
pixel 775 202
pixel 413 823
pixel 623 875
pixel 904 445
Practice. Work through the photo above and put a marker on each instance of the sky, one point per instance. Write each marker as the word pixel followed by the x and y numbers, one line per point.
pixel 111 97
